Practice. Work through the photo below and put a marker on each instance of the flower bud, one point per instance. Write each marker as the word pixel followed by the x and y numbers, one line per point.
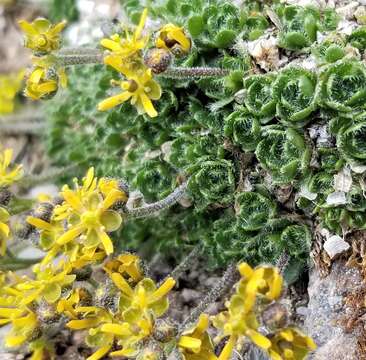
pixel 158 60
pixel 275 316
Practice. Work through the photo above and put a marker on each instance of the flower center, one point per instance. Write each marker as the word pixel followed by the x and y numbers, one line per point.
pixel 41 40
pixel 132 86
pixel 89 218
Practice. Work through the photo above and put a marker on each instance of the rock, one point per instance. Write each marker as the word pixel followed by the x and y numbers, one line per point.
pixel 326 308
pixel 336 198
pixel 335 246
pixel 343 180
pixel 360 15
pixel 265 52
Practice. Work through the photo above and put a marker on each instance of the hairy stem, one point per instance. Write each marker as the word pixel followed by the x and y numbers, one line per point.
pixel 155 208
pixel 223 285
pixel 79 59
pixel 187 262
pixel 21 128
pixel 14 264
pixel 282 262
pixel 194 72
pixel 79 51
pixel 50 174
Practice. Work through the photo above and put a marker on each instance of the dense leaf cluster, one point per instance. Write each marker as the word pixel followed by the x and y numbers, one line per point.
pixel 260 150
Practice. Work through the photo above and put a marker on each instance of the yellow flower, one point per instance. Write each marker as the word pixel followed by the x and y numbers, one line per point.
pixel 67 305
pixel 240 320
pixel 4 230
pixel 89 215
pixel 48 284
pixel 8 174
pixel 290 344
pixel 173 38
pixel 195 343
pixel 141 88
pixel 104 330
pixel 44 80
pixel 145 296
pixel 263 281
pixel 41 35
pixel 9 87
pixel 128 265
pixel 126 51
pixel 23 321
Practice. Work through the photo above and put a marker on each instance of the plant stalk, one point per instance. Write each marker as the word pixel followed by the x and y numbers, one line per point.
pixel 194 72
pixel 227 281
pixel 155 208
pixel 79 59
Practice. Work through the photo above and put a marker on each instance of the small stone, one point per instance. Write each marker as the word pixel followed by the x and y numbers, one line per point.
pixel 302 311
pixel 336 198
pixel 265 52
pixel 335 246
pixel 189 295
pixel 358 169
pixel 343 180
pixel 348 10
pixel 360 15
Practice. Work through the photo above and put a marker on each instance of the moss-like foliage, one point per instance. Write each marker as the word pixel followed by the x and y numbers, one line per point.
pixel 283 153
pixel 257 149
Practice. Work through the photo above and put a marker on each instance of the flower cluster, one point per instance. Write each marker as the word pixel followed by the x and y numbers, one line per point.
pixel 8 175
pixel 126 55
pixel 78 226
pixel 43 38
pixel 9 87
pixel 126 310
pixel 258 289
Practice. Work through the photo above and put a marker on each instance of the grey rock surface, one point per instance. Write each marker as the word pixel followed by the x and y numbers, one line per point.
pixel 326 308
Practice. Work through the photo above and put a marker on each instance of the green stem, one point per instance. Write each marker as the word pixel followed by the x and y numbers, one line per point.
pixel 194 72
pixel 79 59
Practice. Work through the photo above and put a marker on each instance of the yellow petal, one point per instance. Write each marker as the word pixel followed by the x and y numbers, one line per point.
pixel 168 284
pixel 82 324
pixel 39 223
pixel 245 270
pixel 111 45
pixel 190 343
pixel 12 341
pixel 27 27
pixel 117 329
pixel 122 284
pixel 228 349
pixel 259 339
pixel 99 353
pixel 106 241
pixel 70 235
pixel 141 25
pixel 113 101
pixel 148 105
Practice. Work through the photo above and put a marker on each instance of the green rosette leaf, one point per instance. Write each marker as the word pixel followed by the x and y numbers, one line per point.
pixel 244 129
pixel 254 210
pixel 299 26
pixel 295 92
pixel 259 98
pixel 343 87
pixel 212 181
pixel 351 142
pixel 283 153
